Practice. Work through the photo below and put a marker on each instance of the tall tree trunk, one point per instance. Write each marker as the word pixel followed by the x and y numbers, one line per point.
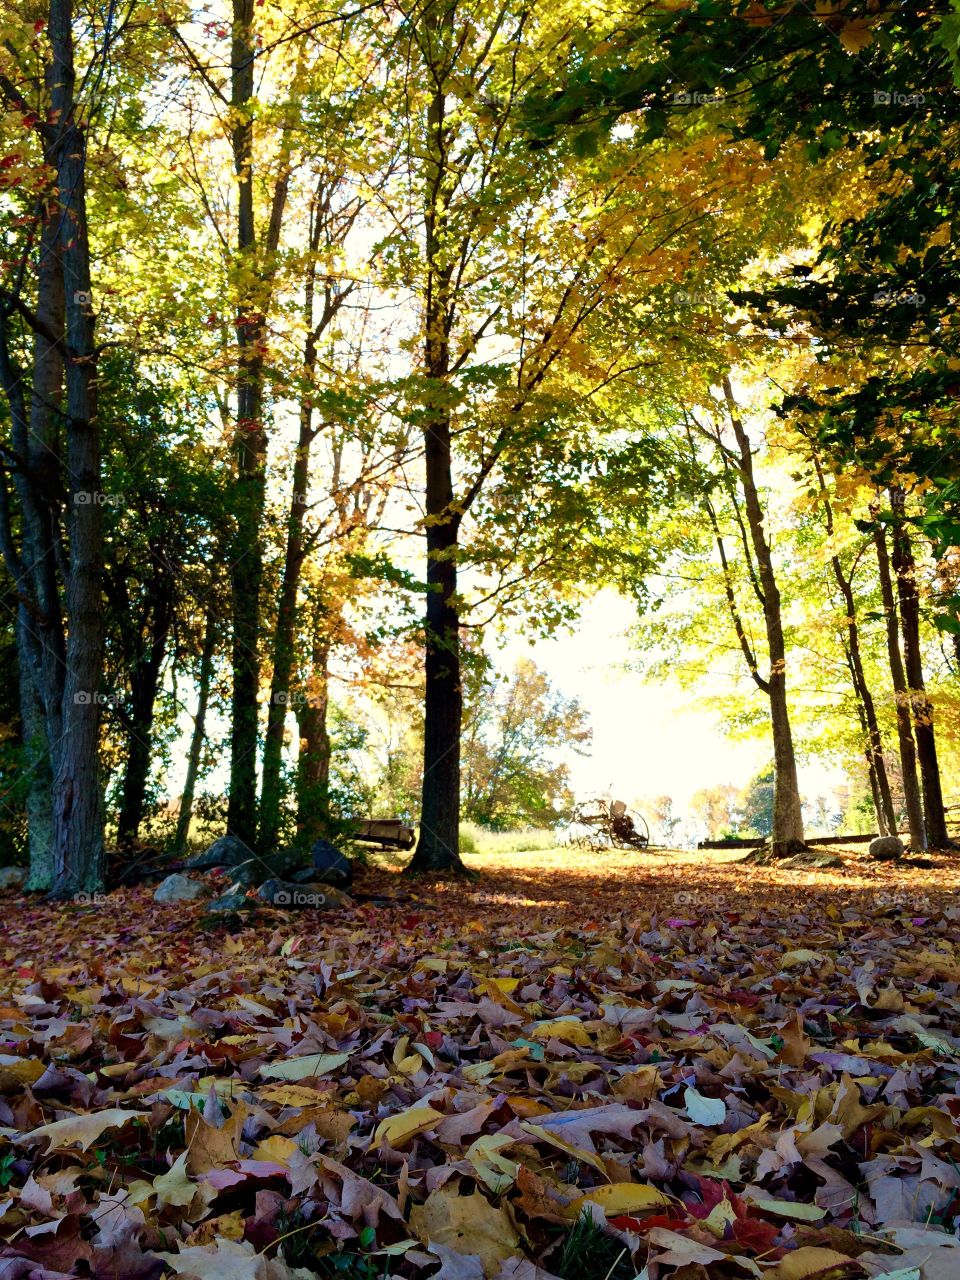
pixel 885 825
pixel 905 570
pixel 438 847
pixel 908 755
pixel 873 746
pixel 283 644
pixel 285 632
pixel 78 813
pixel 313 760
pixel 39 630
pixel 36 762
pixel 787 834
pixel 246 558
pixel 199 732
pixel 42 517
pixel 144 687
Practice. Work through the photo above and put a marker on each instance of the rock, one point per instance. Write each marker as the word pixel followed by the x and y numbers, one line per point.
pixel 281 864
pixel 303 875
pixel 12 877
pixel 330 866
pixel 178 888
pixel 228 851
pixel 232 901
pixel 286 893
pixel 886 849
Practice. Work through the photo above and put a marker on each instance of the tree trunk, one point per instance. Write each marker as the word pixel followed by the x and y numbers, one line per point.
pixel 283 645
pixel 145 669
pixel 78 813
pixel 39 629
pixel 246 558
pixel 285 633
pixel 438 847
pixel 36 763
pixel 873 745
pixel 313 760
pixel 886 826
pixel 904 568
pixel 199 731
pixel 908 755
pixel 40 492
pixel 787 834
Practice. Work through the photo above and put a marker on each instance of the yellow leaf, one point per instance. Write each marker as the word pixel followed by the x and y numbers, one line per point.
pixel 570 1029
pixel 790 959
pixel 466 1224
pixel 622 1197
pixel 805 1262
pixel 856 35
pixel 174 1187
pixel 290 1095
pixel 18 1071
pixel 492 1167
pixel 85 1129
pixel 276 1148
pixel 399 1129
pixel 311 1064
pixel 578 1153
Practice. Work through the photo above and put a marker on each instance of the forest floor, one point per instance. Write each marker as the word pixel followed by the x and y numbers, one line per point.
pixel 577 1065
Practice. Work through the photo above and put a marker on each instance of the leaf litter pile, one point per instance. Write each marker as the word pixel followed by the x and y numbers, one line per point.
pixel 575 1066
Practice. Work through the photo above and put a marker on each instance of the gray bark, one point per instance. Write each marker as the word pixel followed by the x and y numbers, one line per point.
pixel 78 816
pixel 908 755
pixel 199 732
pixel 787 834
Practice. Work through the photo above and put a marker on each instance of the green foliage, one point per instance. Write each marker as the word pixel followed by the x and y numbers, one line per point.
pixel 588 1250
pixel 514 740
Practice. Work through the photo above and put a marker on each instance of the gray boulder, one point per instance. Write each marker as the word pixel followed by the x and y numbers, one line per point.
pixel 12 877
pixel 286 893
pixel 280 864
pixel 228 851
pixel 886 849
pixel 232 901
pixel 178 888
pixel 330 866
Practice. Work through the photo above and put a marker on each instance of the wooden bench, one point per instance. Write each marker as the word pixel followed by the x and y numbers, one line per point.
pixel 386 833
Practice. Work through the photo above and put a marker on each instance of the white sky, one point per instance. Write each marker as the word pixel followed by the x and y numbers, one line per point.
pixel 649 738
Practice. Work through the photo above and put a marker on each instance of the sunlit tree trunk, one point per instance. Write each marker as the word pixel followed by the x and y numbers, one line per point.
pixel 199 732
pixel 873 744
pixel 146 652
pixel 284 640
pixel 787 834
pixel 313 760
pixel 905 570
pixel 908 755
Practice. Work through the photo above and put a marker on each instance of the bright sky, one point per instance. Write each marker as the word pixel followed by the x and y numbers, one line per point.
pixel 648 738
